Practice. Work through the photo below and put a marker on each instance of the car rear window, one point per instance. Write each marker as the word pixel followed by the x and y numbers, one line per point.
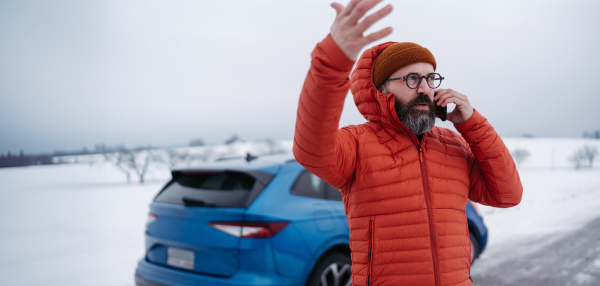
pixel 210 189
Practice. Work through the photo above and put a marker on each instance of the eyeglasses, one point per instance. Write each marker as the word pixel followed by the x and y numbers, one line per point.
pixel 413 80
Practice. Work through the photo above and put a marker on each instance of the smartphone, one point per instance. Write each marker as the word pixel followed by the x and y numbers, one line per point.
pixel 441 112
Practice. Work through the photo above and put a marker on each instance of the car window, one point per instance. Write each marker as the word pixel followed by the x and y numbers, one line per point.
pixel 332 193
pixel 211 189
pixel 309 185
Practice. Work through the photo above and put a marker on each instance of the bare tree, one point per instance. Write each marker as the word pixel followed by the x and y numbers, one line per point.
pixel 174 158
pixel 137 161
pixel 584 157
pixel 592 134
pixel 177 158
pixel 116 158
pixel 589 153
pixel 120 159
pixel 577 159
pixel 520 155
pixel 128 161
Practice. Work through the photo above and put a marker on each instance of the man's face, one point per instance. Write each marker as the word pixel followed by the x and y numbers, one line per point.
pixel 414 107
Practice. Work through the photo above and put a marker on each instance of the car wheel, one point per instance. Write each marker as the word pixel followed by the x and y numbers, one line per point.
pixel 474 247
pixel 333 270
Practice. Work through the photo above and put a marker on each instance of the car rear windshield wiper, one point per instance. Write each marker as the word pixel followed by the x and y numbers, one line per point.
pixel 197 203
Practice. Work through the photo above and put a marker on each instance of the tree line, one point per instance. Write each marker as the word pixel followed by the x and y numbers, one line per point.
pixel 21 160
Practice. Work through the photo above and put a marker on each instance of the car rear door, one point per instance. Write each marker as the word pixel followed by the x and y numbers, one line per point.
pixel 180 233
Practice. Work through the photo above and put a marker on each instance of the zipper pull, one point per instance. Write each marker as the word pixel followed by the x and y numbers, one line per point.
pixel 420 153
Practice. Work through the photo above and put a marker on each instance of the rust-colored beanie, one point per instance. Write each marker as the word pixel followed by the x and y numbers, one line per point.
pixel 397 56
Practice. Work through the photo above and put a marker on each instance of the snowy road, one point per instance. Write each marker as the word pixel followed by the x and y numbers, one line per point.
pixel 572 260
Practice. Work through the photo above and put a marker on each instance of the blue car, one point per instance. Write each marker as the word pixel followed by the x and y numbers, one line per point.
pixel 253 221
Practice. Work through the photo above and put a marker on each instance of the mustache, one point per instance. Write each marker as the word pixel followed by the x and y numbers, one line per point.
pixel 422 98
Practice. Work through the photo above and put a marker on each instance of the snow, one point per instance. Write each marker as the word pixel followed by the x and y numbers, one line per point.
pixel 71 225
pixel 556 199
pixel 83 224
pixel 554 203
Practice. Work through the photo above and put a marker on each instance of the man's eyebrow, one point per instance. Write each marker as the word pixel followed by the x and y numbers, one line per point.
pixel 419 73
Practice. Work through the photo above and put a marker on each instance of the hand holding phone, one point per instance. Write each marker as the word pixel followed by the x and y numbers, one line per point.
pixel 441 112
pixel 462 111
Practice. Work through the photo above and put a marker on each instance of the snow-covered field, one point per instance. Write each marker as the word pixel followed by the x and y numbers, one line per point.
pixel 82 224
pixel 71 225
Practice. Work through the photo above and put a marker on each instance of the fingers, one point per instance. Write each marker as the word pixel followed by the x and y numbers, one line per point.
pixel 368 21
pixel 454 100
pixel 445 96
pixel 339 8
pixel 344 11
pixel 352 5
pixel 347 32
pixel 377 35
pixel 361 9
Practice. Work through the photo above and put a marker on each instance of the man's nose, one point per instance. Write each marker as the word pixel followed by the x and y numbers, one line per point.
pixel 423 86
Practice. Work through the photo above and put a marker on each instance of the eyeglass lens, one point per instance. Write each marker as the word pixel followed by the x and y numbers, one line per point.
pixel 434 80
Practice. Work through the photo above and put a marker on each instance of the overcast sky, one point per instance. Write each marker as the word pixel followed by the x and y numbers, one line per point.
pixel 78 73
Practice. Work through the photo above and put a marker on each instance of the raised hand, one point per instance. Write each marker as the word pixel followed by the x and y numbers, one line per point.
pixel 347 31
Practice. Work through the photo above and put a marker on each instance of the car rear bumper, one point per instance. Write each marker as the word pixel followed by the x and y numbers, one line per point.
pixel 141 281
pixel 148 274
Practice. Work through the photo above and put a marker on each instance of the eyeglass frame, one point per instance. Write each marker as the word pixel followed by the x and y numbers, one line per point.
pixel 420 79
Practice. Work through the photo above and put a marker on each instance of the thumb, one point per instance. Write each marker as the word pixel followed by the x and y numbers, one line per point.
pixel 338 8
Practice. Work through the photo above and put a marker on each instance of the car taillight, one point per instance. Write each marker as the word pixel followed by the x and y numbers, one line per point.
pixel 151 218
pixel 250 229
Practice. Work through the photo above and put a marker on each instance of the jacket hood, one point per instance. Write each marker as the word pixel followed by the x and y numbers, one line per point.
pixel 373 105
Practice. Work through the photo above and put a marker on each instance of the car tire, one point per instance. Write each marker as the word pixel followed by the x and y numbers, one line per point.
pixel 333 270
pixel 474 247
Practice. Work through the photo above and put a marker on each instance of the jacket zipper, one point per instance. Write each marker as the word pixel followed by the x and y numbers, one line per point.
pixel 371 222
pixel 430 214
pixel 426 188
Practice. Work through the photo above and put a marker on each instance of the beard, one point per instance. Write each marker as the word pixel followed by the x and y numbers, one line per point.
pixel 416 120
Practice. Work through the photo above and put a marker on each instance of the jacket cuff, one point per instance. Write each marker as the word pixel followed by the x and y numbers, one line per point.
pixel 471 124
pixel 335 55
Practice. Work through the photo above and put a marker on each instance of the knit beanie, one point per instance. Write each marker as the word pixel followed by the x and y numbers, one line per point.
pixel 397 56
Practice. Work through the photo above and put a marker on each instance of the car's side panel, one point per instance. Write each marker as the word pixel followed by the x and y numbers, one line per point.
pixel 476 221
pixel 314 228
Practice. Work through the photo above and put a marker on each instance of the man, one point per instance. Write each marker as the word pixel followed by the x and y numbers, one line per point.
pixel 404 183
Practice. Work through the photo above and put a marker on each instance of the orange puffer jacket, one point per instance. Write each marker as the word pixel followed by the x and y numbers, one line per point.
pixel 404 199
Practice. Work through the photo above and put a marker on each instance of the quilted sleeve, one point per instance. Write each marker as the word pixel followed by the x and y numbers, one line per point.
pixel 319 145
pixel 494 177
